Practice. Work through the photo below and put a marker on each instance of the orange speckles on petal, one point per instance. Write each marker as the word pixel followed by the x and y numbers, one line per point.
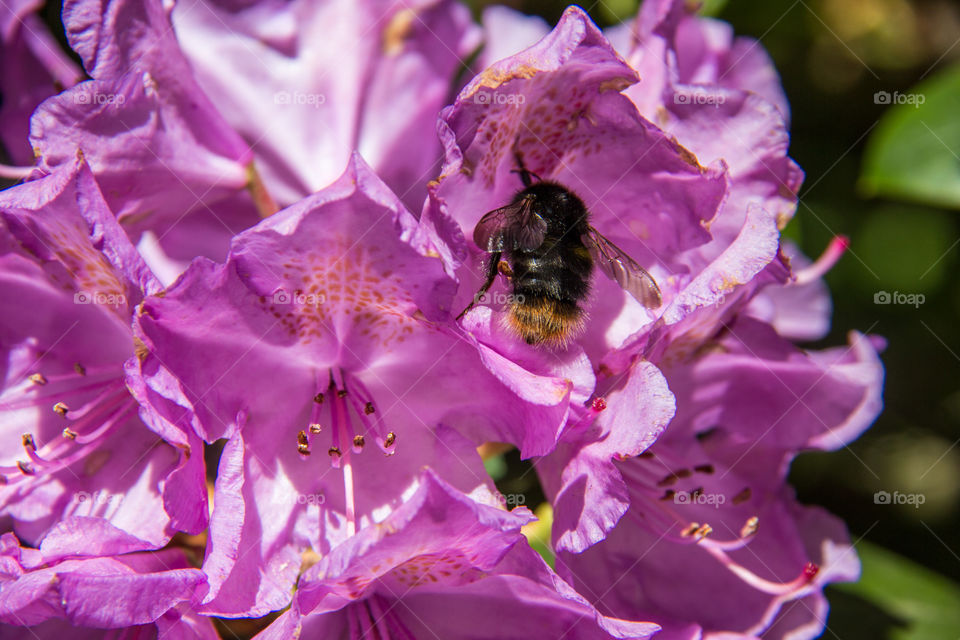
pixel 350 288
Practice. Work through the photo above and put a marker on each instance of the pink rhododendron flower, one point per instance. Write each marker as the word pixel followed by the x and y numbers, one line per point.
pixel 442 564
pixel 316 350
pixel 80 473
pixel 306 179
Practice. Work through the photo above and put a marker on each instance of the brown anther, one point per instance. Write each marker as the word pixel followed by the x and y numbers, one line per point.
pixel 369 408
pixel 668 479
pixel 704 468
pixel 683 473
pixel 668 495
pixel 318 398
pixel 315 428
pixel 703 532
pixel 341 393
pixel 27 440
pixel 646 455
pixel 696 493
pixel 25 468
pixel 61 408
pixel 303 445
pixel 750 527
pixel 390 439
pixel 334 452
pixel 37 378
pixel 79 368
pixel 359 441
pixel 70 434
pixel 743 496
pixel 691 529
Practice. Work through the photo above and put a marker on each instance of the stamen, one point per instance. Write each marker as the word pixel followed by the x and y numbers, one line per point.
pixel 38 379
pixel 28 442
pixel 824 263
pixel 742 496
pixel 358 442
pixel 79 368
pixel 806 576
pixel 61 408
pixel 25 468
pixel 315 428
pixel 69 433
pixel 349 497
pixel 303 445
pixel 362 402
pixel 750 527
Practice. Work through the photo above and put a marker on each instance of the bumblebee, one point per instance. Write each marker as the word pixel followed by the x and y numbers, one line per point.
pixel 544 244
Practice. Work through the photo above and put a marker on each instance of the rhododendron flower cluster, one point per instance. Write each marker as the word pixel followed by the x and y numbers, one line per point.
pixel 248 232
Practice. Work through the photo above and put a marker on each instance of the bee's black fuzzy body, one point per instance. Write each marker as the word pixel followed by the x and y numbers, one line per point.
pixel 548 250
pixel 551 281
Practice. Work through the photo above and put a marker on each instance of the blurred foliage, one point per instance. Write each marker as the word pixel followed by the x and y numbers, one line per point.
pixel 912 153
pixel 921 603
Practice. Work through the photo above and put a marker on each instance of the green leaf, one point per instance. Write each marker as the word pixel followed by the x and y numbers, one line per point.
pixel 914 152
pixel 712 8
pixel 927 603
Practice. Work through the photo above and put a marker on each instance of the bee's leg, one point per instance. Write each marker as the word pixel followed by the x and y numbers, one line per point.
pixel 492 270
pixel 522 170
pixel 503 267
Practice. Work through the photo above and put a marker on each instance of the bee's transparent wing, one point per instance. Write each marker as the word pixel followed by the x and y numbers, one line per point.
pixel 515 226
pixel 623 270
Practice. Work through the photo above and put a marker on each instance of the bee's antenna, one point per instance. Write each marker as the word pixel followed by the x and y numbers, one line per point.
pixel 523 171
